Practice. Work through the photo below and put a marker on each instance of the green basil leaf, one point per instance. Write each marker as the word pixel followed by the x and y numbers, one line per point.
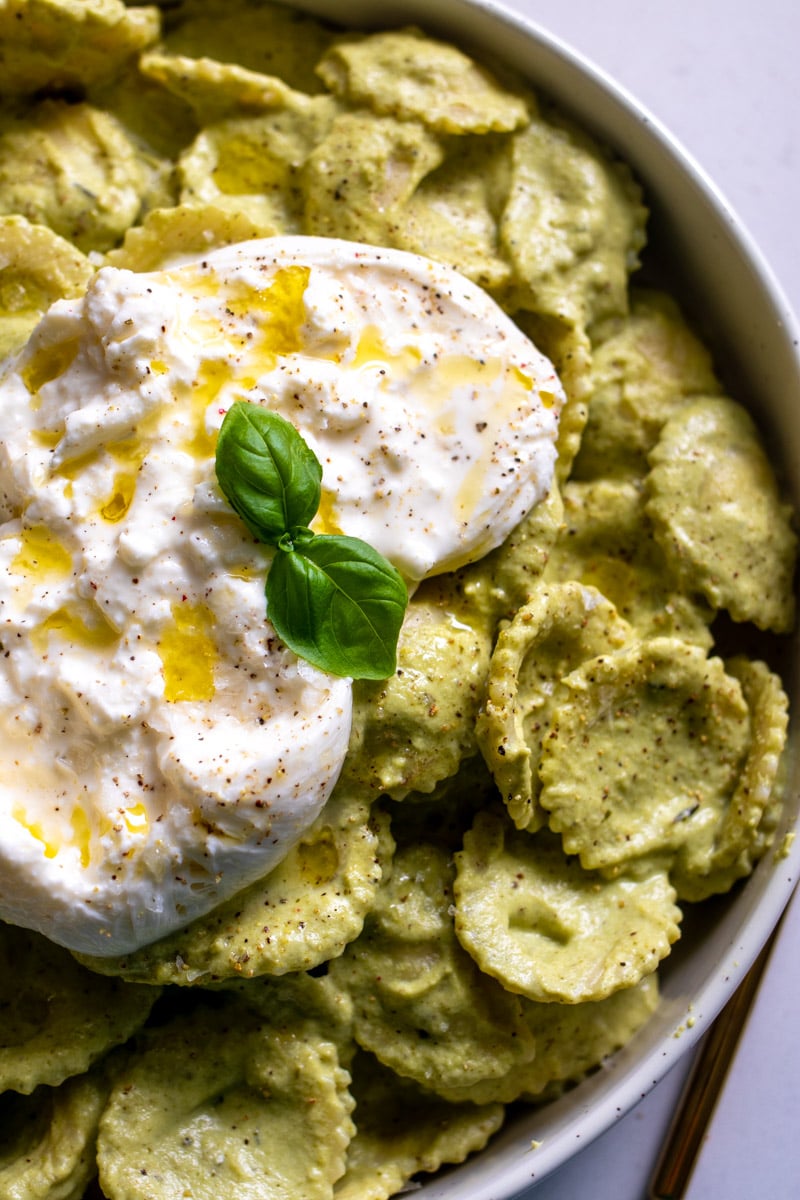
pixel 339 604
pixel 267 472
pixel 334 600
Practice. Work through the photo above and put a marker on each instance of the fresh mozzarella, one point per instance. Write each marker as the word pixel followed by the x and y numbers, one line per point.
pixel 161 748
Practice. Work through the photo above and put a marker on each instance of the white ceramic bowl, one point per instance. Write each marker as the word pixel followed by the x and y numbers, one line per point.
pixel 700 250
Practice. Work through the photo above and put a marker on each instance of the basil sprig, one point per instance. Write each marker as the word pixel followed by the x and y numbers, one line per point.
pixel 334 600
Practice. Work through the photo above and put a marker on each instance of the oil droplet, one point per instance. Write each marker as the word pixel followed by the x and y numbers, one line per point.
pixel 48 363
pixel 72 468
pixel 372 350
pixel 245 572
pixel 318 861
pixel 118 503
pixel 188 654
pixel 281 311
pixel 82 834
pixel 326 519
pixel 41 556
pixel 243 167
pixel 81 624
pixel 34 828
pixel 459 372
pixel 280 314
pixel 130 453
pixel 527 383
pixel 48 438
pixel 212 377
pixel 135 818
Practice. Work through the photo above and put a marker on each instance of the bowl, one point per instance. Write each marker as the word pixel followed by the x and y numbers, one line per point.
pixel 699 249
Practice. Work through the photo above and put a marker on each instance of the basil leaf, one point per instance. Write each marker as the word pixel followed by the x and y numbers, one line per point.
pixel 334 600
pixel 339 604
pixel 267 472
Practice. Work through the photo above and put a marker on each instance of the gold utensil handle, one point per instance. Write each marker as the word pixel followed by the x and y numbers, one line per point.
pixel 703 1086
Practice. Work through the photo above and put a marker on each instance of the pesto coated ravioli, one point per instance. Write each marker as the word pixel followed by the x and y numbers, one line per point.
pixel 565 756
pixel 221 1103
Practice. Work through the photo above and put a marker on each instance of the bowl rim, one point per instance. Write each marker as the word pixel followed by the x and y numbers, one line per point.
pixel 507 1167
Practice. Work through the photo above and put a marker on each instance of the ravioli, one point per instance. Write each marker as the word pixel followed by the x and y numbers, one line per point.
pixel 748 823
pixel 646 365
pixel 271 39
pixel 388 1151
pixel 47 1146
pixel 718 514
pixel 251 164
pixel 358 179
pixel 299 916
pixel 573 226
pixel 420 1004
pixel 569 348
pixel 407 75
pixel 452 213
pixel 211 89
pixel 609 544
pixel 68 43
pixel 551 931
pixel 58 1018
pixel 559 628
pixel 256 1109
pixel 574 1040
pixel 74 169
pixel 643 752
pixel 184 230
pixel 412 731
pixel 37 267
pixel 494 589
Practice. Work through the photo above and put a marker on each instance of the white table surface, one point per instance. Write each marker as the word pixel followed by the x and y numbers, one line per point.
pixel 722 75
